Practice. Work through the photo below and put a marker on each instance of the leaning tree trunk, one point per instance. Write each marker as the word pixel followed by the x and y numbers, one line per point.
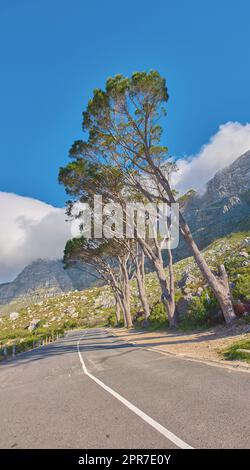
pixel 166 298
pixel 219 286
pixel 119 299
pixel 140 279
pixel 123 309
pixel 126 292
pixel 127 313
pixel 142 295
pixel 174 317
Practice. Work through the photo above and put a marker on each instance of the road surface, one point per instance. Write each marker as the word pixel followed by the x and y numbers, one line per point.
pixel 93 390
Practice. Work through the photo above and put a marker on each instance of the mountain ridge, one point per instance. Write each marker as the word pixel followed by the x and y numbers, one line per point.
pixel 222 209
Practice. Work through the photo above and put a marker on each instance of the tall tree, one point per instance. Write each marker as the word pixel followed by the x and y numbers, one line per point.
pixel 123 122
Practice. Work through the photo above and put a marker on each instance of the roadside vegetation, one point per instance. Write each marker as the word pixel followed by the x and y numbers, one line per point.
pixel 96 307
pixel 239 350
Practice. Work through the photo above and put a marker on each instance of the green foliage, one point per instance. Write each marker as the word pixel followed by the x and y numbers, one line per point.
pixel 241 290
pixel 124 105
pixel 188 195
pixel 139 319
pixel 201 312
pixel 233 264
pixel 146 84
pixel 158 318
pixel 25 340
pixel 111 320
pixel 232 351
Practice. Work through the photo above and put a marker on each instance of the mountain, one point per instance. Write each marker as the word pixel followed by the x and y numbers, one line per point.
pixel 45 278
pixel 222 209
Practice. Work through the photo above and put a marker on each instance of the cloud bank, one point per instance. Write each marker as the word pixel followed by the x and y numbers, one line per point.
pixel 231 141
pixel 30 229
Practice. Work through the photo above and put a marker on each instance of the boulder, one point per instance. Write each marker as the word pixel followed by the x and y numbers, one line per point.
pixel 245 263
pixel 104 301
pixel 70 310
pixel 14 316
pixel 185 279
pixel 199 291
pixel 244 254
pixel 246 242
pixel 182 306
pixel 187 290
pixel 33 325
pixel 74 315
pixel 241 308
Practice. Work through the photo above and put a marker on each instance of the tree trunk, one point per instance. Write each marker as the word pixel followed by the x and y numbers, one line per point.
pixel 127 313
pixel 142 295
pixel 166 298
pixel 123 309
pixel 174 317
pixel 140 278
pixel 126 292
pixel 117 310
pixel 127 305
pixel 219 286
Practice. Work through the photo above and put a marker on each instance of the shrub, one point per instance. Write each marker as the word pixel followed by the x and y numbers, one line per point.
pixel 232 351
pixel 111 319
pixel 70 324
pixel 202 311
pixel 242 286
pixel 157 317
pixel 139 318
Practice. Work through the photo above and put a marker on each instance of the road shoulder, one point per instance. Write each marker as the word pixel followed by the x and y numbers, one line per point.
pixel 199 346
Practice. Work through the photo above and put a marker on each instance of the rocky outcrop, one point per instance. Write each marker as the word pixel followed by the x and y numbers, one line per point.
pixel 45 278
pixel 222 209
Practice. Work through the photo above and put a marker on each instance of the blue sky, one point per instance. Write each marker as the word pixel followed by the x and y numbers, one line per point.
pixel 53 53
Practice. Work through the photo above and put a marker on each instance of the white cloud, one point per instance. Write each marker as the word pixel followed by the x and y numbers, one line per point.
pixel 30 229
pixel 231 141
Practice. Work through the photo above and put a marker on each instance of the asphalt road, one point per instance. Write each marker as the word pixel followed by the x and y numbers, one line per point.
pixel 93 390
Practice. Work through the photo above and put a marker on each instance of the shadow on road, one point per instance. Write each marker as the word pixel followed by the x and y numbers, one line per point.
pixel 99 340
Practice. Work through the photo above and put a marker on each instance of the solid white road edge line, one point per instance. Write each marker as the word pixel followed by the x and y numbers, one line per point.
pixel 165 432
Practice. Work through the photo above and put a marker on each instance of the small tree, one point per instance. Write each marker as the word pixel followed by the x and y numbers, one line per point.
pixel 100 255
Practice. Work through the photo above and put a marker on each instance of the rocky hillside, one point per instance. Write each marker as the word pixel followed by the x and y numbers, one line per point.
pixel 222 209
pixel 95 306
pixel 43 278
